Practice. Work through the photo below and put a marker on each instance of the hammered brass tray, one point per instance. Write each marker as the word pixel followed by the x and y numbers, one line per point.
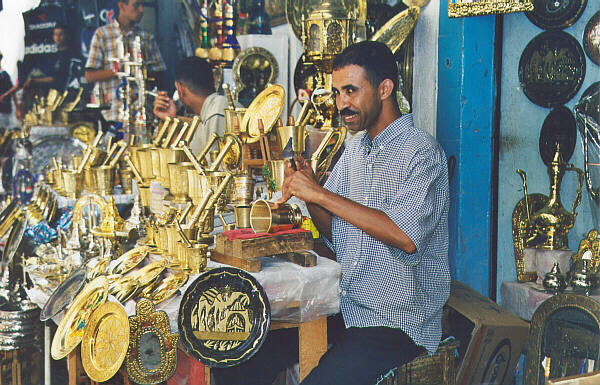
pixel 166 288
pixel 71 328
pixel 267 106
pixel 130 259
pixel 105 342
pixel 396 30
pixel 147 274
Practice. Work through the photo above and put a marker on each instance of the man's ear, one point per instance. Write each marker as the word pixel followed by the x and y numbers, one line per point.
pixel 181 89
pixel 386 88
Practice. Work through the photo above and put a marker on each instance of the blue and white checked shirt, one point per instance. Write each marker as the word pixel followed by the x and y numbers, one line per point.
pixel 402 172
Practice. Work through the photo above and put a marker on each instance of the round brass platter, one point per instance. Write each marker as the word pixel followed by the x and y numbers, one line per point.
pixel 124 288
pixel 167 287
pixel 130 259
pixel 147 274
pixel 591 38
pixel 556 14
pixel 105 342
pixel 396 30
pixel 71 328
pixel 267 106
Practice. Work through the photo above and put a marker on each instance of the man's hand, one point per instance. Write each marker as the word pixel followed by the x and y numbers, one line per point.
pixel 164 106
pixel 301 183
pixel 2 97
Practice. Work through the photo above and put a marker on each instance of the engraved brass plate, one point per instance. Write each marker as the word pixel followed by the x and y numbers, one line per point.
pixel 591 38
pixel 147 274
pixel 166 288
pixel 224 317
pixel 152 354
pixel 105 342
pixel 520 232
pixel 556 14
pixel 71 328
pixel 130 259
pixel 124 288
pixel 559 128
pixel 267 106
pixel 64 294
pixel 552 68
pixel 396 30
pixel 13 242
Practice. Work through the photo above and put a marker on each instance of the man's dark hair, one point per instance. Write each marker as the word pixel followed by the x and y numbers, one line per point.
pixel 375 58
pixel 196 74
pixel 61 26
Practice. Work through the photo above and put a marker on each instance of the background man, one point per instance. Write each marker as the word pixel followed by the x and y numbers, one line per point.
pixel 100 69
pixel 196 89
pixel 6 86
pixel 385 209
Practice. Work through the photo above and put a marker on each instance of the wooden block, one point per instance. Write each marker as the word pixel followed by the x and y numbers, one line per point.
pixel 302 258
pixel 312 338
pixel 278 244
pixel 223 245
pixel 249 264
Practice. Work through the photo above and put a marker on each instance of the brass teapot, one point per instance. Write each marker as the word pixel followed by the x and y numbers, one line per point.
pixel 548 228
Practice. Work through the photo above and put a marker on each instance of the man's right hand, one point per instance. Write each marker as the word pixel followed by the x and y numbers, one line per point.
pixel 164 106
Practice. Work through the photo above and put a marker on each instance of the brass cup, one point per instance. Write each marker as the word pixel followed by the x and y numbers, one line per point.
pixel 89 179
pixel 243 189
pixel 195 258
pixel 173 239
pixel 60 183
pixel 166 156
pixel 162 240
pixel 145 164
pixel 242 217
pixel 145 195
pixel 155 163
pixel 266 218
pixel 73 183
pixel 133 154
pixel 125 174
pixel 105 179
pixel 296 133
pixel 194 186
pixel 179 181
pixel 76 162
pixel 231 114
pixel 276 168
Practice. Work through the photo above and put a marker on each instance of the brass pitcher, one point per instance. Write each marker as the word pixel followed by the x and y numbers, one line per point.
pixel 549 226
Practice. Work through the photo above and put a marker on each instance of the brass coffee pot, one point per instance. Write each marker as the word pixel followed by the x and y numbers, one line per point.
pixel 548 228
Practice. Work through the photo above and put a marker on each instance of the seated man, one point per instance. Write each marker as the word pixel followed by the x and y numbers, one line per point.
pixel 195 86
pixel 385 209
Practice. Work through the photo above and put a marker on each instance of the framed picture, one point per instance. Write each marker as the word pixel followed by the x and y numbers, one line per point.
pixel 463 8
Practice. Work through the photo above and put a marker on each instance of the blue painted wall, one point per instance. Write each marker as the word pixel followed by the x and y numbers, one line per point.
pixel 464 128
pixel 520 125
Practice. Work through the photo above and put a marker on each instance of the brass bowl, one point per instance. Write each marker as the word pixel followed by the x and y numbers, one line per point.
pixel 73 183
pixel 105 179
pixel 265 217
pixel 243 189
pixel 276 168
pixel 242 216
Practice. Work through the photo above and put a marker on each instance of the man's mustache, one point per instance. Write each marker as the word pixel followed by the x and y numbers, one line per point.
pixel 347 111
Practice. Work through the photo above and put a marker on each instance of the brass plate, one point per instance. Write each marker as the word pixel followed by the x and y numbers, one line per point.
pixel 130 259
pixel 396 30
pixel 71 328
pixel 124 288
pixel 559 128
pixel 147 274
pixel 520 233
pixel 64 294
pixel 105 342
pixel 556 14
pixel 591 38
pixel 552 68
pixel 152 353
pixel 267 106
pixel 13 242
pixel 8 217
pixel 167 287
pixel 224 317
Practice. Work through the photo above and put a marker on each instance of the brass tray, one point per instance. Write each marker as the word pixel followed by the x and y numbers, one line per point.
pixel 64 294
pixel 166 287
pixel 147 274
pixel 396 30
pixel 71 328
pixel 591 38
pixel 105 342
pixel 224 317
pixel 267 106
pixel 152 353
pixel 552 68
pixel 124 288
pixel 559 128
pixel 130 259
pixel 556 14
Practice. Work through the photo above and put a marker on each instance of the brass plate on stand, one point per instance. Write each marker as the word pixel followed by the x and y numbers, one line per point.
pixel 130 259
pixel 556 14
pixel 267 106
pixel 396 30
pixel 552 68
pixel 591 38
pixel 147 274
pixel 519 231
pixel 152 353
pixel 166 287
pixel 105 342
pixel 224 317
pixel 559 128
pixel 63 295
pixel 71 328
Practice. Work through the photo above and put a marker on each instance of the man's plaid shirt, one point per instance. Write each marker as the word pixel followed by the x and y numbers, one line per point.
pixel 403 173
pixel 104 47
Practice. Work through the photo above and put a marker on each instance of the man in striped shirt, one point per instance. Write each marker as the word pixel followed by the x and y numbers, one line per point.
pixel 385 210
pixel 103 48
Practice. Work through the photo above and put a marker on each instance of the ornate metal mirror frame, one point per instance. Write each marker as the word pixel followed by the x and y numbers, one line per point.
pixel 582 305
pixel 462 8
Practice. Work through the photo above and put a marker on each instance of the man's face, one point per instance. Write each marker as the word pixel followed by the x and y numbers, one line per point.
pixel 356 99
pixel 131 10
pixel 59 36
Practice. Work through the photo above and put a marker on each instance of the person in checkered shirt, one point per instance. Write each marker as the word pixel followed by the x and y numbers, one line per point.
pixel 385 211
pixel 100 69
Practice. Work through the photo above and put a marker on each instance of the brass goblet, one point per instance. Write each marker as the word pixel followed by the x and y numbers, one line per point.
pixel 73 183
pixel 105 179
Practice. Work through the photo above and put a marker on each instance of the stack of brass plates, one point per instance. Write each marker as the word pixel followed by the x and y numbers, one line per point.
pixel 19 326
